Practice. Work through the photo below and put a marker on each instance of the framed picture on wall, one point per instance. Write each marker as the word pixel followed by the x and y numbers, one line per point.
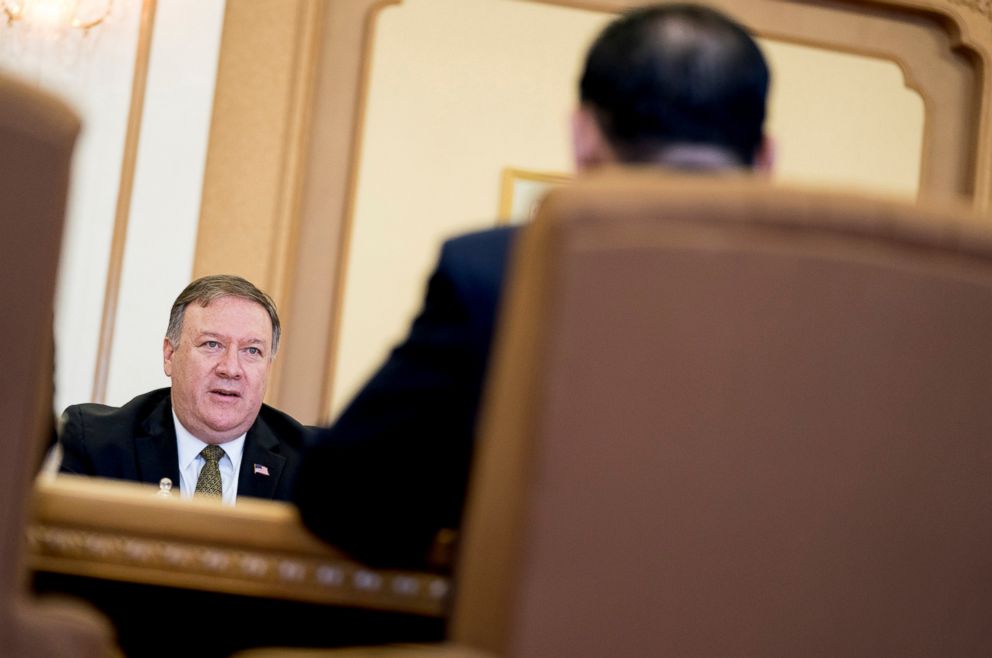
pixel 521 190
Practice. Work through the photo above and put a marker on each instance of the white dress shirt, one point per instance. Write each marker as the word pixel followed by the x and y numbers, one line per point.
pixel 190 463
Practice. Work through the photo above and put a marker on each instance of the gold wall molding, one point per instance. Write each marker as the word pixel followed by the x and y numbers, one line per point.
pixel 329 181
pixel 122 214
pixel 983 7
pixel 343 251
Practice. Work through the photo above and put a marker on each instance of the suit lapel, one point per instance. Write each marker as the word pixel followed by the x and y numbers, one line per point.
pixel 155 446
pixel 261 465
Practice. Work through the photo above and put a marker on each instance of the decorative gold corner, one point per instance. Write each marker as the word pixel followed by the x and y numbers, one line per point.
pixel 983 7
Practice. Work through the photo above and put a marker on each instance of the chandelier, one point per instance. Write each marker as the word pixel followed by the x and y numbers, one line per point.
pixel 56 15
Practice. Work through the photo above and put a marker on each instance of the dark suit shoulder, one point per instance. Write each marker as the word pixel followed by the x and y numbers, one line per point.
pixel 98 439
pixel 495 238
pixel 482 252
pixel 469 277
pixel 138 407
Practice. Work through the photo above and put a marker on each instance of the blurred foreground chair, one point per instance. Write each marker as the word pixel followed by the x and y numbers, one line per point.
pixel 733 420
pixel 37 134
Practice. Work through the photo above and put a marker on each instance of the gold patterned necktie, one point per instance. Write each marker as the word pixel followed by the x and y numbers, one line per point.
pixel 209 484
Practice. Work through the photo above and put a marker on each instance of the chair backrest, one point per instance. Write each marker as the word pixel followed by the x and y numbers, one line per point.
pixel 730 419
pixel 37 134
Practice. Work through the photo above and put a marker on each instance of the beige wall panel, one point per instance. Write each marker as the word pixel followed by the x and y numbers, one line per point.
pixel 450 106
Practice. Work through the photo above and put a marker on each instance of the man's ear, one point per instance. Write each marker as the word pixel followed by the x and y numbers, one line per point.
pixel 589 145
pixel 764 157
pixel 167 351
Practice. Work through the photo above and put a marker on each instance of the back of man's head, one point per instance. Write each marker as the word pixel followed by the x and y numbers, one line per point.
pixel 675 75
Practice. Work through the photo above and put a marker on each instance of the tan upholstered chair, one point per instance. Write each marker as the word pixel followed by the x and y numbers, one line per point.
pixel 732 420
pixel 37 134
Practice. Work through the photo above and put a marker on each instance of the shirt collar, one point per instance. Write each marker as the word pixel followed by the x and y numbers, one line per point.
pixel 190 447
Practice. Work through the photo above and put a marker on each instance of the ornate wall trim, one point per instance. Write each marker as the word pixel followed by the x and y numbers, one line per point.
pixel 122 213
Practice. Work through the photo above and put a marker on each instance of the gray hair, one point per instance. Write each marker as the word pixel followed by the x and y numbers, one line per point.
pixel 208 288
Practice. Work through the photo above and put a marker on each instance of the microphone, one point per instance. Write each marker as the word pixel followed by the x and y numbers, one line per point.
pixel 164 488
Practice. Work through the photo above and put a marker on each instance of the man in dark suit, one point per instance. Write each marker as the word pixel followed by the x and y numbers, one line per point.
pixel 675 86
pixel 209 433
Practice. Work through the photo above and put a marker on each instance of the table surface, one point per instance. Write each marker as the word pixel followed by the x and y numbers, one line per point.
pixel 122 531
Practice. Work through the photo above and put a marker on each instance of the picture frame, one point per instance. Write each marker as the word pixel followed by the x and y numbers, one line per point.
pixel 521 191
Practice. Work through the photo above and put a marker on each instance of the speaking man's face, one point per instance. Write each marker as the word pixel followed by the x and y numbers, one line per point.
pixel 220 367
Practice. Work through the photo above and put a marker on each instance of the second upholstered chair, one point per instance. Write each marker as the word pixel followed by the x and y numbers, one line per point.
pixel 731 419
pixel 37 134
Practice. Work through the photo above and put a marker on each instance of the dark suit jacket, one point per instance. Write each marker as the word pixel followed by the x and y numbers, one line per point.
pixel 137 442
pixel 393 468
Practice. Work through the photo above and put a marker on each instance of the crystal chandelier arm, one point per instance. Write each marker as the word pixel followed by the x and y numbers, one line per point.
pixel 87 25
pixel 14 10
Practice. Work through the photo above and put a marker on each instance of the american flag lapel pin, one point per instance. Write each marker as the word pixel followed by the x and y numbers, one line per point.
pixel 261 470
